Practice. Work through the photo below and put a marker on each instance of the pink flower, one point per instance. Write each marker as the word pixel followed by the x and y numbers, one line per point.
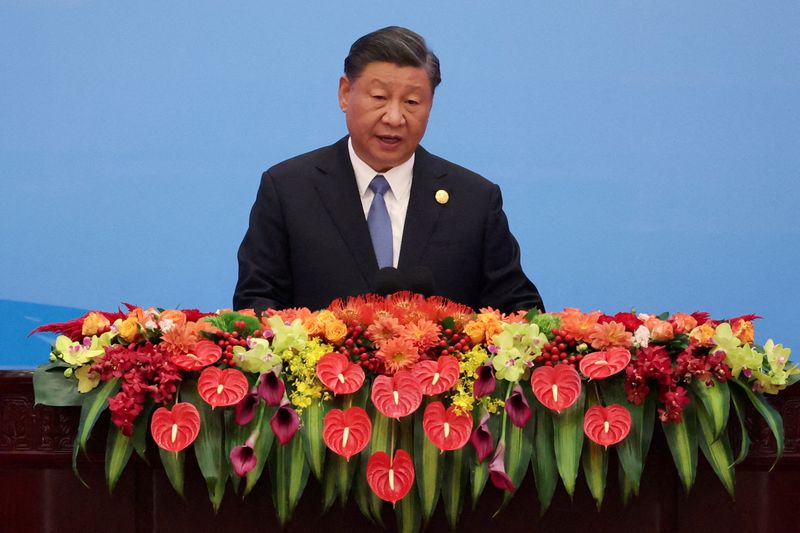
pixel 497 469
pixel 285 422
pixel 481 438
pixel 517 407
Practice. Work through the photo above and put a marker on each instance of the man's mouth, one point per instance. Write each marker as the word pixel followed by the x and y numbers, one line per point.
pixel 389 139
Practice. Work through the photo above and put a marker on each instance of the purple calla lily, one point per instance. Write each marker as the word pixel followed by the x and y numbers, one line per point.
pixel 271 388
pixel 285 422
pixel 517 407
pixel 246 409
pixel 243 458
pixel 485 384
pixel 481 438
pixel 497 469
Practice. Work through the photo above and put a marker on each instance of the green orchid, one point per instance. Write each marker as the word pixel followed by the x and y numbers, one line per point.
pixel 515 349
pixel 258 359
pixel 287 337
pixel 75 353
pixel 742 357
pixel 777 377
pixel 725 339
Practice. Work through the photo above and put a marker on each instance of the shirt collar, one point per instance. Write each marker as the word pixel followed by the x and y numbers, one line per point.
pixel 399 177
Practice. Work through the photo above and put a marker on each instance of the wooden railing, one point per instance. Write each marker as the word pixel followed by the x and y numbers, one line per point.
pixel 39 491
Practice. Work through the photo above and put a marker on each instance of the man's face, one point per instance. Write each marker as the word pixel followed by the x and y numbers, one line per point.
pixel 387 109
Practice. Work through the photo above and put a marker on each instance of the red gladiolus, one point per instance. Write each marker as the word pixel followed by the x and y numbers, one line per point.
pixel 220 388
pixel 285 422
pixel 271 388
pixel 339 374
pixel 497 469
pixel 607 425
pixel 437 376
pixel 396 396
pixel 205 353
pixel 481 438
pixel 556 387
pixel 346 432
pixel 446 429
pixel 517 407
pixel 600 365
pixel 175 430
pixel 486 383
pixel 389 479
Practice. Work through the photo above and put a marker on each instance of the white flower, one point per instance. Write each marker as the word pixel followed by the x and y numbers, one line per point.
pixel 641 337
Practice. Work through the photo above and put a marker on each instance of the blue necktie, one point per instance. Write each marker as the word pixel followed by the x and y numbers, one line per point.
pixel 380 225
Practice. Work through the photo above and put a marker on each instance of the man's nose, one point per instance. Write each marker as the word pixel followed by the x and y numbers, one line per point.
pixel 394 114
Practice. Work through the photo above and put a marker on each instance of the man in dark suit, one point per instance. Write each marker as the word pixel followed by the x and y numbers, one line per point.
pixel 333 222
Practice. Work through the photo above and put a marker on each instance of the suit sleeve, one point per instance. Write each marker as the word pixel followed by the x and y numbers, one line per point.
pixel 265 278
pixel 505 287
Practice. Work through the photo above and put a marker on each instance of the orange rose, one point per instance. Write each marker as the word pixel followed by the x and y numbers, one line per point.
pixel 476 331
pixel 683 322
pixel 171 318
pixel 335 331
pixel 702 334
pixel 743 329
pixel 94 323
pixel 660 330
pixel 129 328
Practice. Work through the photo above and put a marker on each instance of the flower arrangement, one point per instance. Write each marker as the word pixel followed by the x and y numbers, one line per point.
pixel 411 400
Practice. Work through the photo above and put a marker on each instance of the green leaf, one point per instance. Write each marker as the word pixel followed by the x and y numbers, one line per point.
pixel 343 476
pixel 173 467
pixel 311 433
pixel 225 321
pixel 289 476
pixel 543 458
pixel 141 429
pixel 568 440
pixel 50 387
pixel 626 488
pixel 630 451
pixel 717 449
pixel 716 400
pixel 118 452
pixel 454 479
pixel 448 323
pixel 209 447
pixel 771 416
pixel 262 447
pixel 408 511
pixel 519 447
pixel 682 441
pixel 329 482
pixel 427 466
pixel 738 404
pixel 94 404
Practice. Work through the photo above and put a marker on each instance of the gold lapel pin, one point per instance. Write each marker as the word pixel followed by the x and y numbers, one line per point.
pixel 442 197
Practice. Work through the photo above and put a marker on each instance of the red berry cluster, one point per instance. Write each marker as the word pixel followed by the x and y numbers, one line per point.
pixel 561 350
pixel 229 339
pixel 454 343
pixel 358 347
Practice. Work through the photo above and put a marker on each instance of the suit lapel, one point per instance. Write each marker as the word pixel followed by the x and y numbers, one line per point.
pixel 423 210
pixel 337 188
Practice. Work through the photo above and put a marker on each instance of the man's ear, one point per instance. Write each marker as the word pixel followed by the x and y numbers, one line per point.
pixel 344 92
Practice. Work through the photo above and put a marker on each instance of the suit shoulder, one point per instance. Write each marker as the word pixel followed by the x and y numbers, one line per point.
pixel 465 176
pixel 301 164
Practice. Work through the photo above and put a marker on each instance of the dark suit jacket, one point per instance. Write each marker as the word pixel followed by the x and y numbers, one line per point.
pixel 308 241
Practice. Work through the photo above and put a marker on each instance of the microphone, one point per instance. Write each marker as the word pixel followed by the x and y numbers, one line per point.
pixel 389 280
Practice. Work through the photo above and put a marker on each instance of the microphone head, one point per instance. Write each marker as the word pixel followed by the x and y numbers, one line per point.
pixel 420 280
pixel 388 280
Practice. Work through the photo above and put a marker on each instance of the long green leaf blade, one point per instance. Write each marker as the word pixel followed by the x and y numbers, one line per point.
pixel 716 401
pixel 311 433
pixel 519 446
pixel 454 479
pixel 427 466
pixel 568 440
pixel 173 467
pixel 408 511
pixel 630 451
pixel 118 451
pixel 744 446
pixel 289 476
pixel 717 450
pixel 262 446
pixel 682 441
pixel 94 404
pixel 209 445
pixel 771 416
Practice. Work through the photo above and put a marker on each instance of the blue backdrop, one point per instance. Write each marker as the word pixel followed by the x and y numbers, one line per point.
pixel 648 152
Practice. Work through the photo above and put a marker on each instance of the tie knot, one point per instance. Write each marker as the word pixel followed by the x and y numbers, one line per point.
pixel 379 185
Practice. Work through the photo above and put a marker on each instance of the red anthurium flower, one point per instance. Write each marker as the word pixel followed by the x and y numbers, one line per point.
pixel 285 422
pixel 607 425
pixel 481 438
pixel 271 388
pixel 486 383
pixel 398 395
pixel 246 409
pixel 175 430
pixel 346 432
pixel 339 374
pixel 517 407
pixel 243 458
pixel 446 429
pixel 600 365
pixel 390 479
pixel 222 387
pixel 557 387
pixel 437 376
pixel 205 353
pixel 497 469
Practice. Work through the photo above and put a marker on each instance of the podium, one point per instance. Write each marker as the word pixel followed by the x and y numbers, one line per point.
pixel 40 492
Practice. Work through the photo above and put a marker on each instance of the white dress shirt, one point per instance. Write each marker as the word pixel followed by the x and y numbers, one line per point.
pixel 396 197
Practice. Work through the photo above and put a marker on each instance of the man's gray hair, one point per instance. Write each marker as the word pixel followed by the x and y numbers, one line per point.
pixel 396 45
